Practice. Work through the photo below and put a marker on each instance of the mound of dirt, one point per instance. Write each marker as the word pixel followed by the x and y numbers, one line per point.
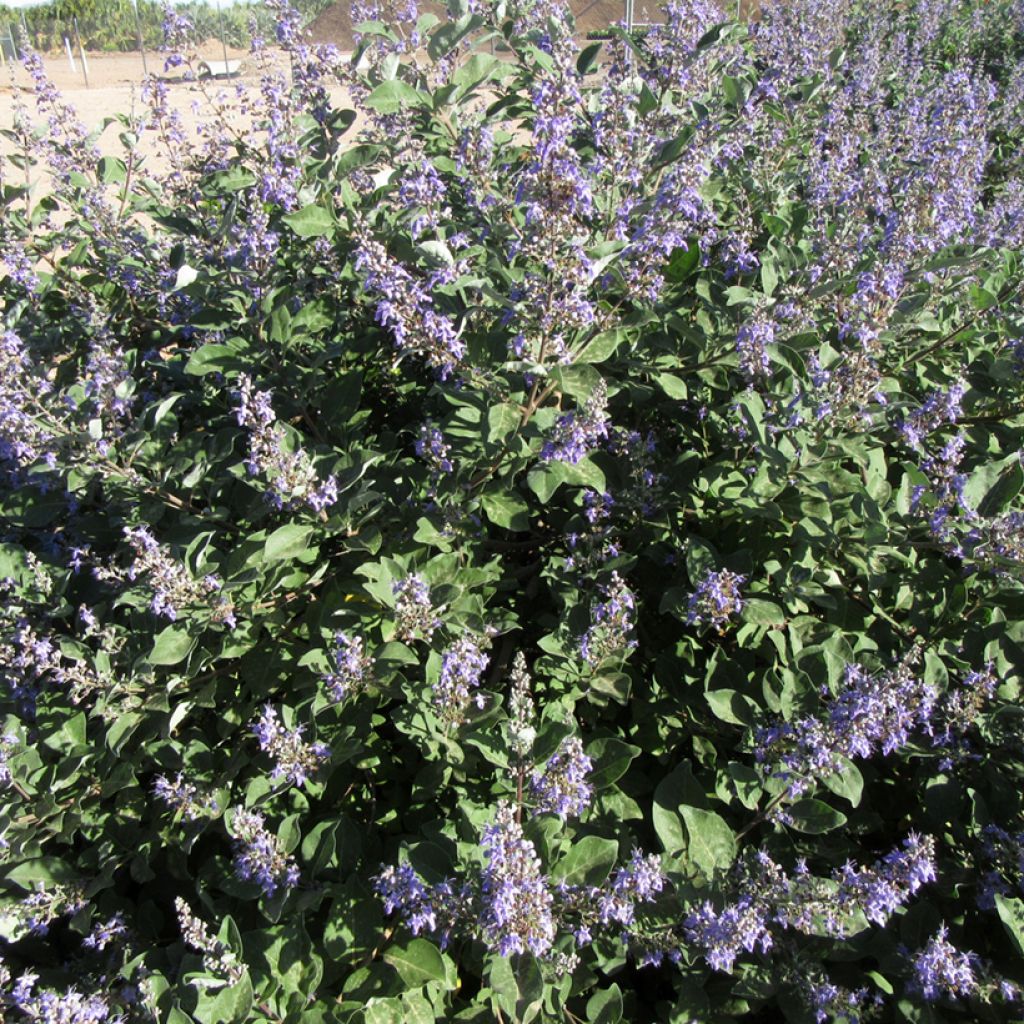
pixel 334 25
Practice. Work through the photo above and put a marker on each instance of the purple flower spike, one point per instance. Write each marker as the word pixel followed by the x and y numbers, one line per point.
pixel 561 787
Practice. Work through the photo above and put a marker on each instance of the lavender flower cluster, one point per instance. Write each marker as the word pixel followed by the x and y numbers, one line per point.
pixel 516 912
pixel 1001 857
pixel 871 713
pixel 716 599
pixel 939 408
pixel 30 661
pixel 576 434
pixel 259 856
pixel 520 729
pixel 184 797
pixel 415 616
pixel 511 905
pixel 34 914
pixel 353 668
pixel 8 746
pixel 435 452
pixel 940 969
pixel 111 932
pixel 405 307
pixel 293 480
pixel 174 588
pixel 771 898
pixel 27 434
pixel 462 666
pixel 49 1007
pixel 561 786
pixel 294 759
pixel 614 905
pixel 217 958
pixel 944 492
pixel 610 632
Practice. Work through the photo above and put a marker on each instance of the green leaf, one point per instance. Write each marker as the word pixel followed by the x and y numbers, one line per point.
pixel 982 298
pixel 577 380
pixel 602 346
pixel 417 1009
pixel 1011 913
pixel 762 613
pixel 287 542
pixel 448 35
pixel 847 783
pixel 289 832
pixel 215 358
pixel 232 179
pixel 43 872
pixel 678 787
pixel 586 62
pixel 478 68
pixel 355 157
pixel 311 221
pixel 417 962
pixel 736 90
pixel 390 97
pixel 388 1010
pixel 605 1006
pixel 731 706
pixel 508 511
pixel 589 861
pixel 520 988
pixel 544 480
pixel 674 387
pixel 611 758
pixel 813 817
pixel 501 421
pixel 647 101
pixel 232 1005
pixel 682 263
pixel 701 558
pixel 172 645
pixel 112 170
pixel 74 731
pixel 992 487
pixel 711 844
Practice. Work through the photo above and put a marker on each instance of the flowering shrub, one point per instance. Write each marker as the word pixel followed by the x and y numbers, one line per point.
pixel 552 552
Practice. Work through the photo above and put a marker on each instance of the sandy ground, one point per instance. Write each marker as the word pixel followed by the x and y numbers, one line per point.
pixel 114 83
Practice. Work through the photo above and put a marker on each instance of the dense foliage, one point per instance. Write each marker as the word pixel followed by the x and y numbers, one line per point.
pixel 548 550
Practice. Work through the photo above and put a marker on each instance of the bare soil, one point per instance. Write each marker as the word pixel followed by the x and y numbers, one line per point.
pixel 114 83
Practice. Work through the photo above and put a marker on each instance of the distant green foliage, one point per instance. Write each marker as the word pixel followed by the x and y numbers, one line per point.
pixel 110 25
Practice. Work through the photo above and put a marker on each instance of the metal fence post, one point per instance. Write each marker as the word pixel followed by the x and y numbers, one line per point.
pixel 81 53
pixel 223 43
pixel 138 31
